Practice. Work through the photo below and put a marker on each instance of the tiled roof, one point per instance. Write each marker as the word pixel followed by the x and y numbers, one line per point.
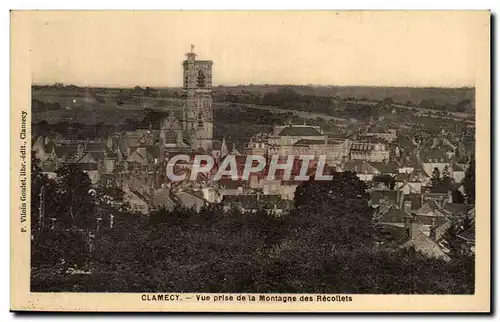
pixel 428 207
pixel 360 167
pixel 394 215
pixel 385 167
pixel 97 155
pixel 393 234
pixel 469 234
pixel 190 201
pixel 162 197
pixel 434 156
pixel 89 166
pixel 437 221
pixel 310 142
pixel 456 208
pixel 66 150
pixel 425 245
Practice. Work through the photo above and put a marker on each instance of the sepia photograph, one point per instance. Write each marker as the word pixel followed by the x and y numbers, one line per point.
pixel 250 158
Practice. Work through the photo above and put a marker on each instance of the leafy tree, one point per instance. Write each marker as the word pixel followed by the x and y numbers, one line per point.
pixel 446 179
pixel 469 181
pixel 457 246
pixel 435 178
pixel 76 201
pixel 344 185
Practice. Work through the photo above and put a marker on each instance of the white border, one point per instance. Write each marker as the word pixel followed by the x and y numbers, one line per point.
pixel 494 5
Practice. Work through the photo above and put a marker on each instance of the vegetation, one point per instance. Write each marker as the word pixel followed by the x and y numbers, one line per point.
pixel 469 181
pixel 325 245
pixel 441 181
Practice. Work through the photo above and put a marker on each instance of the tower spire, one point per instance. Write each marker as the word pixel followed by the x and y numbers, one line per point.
pixel 191 55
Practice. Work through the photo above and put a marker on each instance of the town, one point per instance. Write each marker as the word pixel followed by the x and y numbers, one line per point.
pixel 414 161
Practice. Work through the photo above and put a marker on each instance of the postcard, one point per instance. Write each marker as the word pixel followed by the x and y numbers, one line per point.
pixel 250 161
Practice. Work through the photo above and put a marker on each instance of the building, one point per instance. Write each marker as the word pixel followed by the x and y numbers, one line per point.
pixel 188 125
pixel 370 149
pixel 299 140
pixel 197 118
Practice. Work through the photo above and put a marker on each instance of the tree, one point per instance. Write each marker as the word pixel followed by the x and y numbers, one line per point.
pixel 469 181
pixel 76 201
pixel 435 179
pixel 446 179
pixel 344 185
pixel 38 180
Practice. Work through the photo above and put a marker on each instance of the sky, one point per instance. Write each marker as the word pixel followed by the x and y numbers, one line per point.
pixel 146 48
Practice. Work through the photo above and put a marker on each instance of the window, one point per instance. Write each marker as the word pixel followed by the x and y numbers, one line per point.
pixel 201 79
pixel 200 120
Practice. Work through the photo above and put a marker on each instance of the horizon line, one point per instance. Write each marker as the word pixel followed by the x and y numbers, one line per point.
pixel 264 84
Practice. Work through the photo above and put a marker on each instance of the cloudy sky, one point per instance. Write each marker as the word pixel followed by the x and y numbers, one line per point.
pixel 325 48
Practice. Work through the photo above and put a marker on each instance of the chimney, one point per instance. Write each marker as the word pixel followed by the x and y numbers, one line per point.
pixel 412 226
pixel 98 225
pixel 110 144
pixel 80 150
pixel 142 151
pixel 432 234
pixel 450 197
pixel 407 206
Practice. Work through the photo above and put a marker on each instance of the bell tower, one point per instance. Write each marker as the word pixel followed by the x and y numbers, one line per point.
pixel 197 115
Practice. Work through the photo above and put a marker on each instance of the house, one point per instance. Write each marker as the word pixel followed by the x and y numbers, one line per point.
pixel 409 182
pixel 164 198
pixel 229 187
pixel 409 234
pixel 431 159
pixel 211 194
pixel 394 216
pixel 222 148
pixel 430 208
pixel 253 203
pixel 191 200
pixel 380 197
pixel 386 168
pixel 92 170
pixel 364 170
pixel 458 172
pixel 441 198
pixel 136 201
pixel 370 149
pixel 459 210
pixel 469 236
pixel 412 202
pixel 421 242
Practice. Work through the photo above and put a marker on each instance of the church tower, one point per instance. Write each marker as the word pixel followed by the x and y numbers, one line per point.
pixel 197 114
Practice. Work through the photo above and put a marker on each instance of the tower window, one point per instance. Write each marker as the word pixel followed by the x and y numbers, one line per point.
pixel 200 120
pixel 201 79
pixel 185 81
